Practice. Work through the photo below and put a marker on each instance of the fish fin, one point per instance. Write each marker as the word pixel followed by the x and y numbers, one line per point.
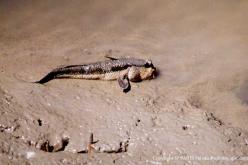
pixel 111 58
pixel 47 78
pixel 124 83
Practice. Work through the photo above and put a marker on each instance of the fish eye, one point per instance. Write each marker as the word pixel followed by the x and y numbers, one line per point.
pixel 148 63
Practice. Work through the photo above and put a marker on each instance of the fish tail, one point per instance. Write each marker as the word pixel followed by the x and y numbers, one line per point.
pixel 48 77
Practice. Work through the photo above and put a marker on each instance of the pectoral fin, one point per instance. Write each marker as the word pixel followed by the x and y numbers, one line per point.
pixel 124 83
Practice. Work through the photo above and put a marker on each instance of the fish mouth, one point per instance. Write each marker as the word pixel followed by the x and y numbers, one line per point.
pixel 155 73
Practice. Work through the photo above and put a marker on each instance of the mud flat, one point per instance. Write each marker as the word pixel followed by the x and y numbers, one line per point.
pixel 196 109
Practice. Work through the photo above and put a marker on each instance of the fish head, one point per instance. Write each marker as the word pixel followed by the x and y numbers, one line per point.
pixel 148 71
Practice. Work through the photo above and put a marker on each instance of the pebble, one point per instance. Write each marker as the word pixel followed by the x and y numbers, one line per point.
pixel 30 154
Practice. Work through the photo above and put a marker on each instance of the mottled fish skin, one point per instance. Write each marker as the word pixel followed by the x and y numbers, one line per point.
pixel 103 66
pixel 105 70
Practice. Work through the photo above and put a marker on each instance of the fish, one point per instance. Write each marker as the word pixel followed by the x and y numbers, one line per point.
pixel 124 70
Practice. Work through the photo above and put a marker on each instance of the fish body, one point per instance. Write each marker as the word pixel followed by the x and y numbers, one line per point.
pixel 123 70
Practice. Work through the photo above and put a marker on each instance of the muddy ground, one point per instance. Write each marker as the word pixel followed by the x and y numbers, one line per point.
pixel 195 109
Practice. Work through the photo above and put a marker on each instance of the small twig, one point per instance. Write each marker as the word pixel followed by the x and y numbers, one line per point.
pixel 90 146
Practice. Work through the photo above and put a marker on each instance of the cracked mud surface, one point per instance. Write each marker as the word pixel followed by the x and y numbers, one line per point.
pixel 196 107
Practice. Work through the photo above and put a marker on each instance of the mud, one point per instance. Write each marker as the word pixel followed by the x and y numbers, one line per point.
pixel 197 106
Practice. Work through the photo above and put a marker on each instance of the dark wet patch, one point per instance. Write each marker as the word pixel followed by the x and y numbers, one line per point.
pixel 47 147
pixel 242 93
pixel 185 127
pixel 39 122
pixel 195 101
pixel 211 117
pixel 65 142
pixel 123 146
pixel 137 122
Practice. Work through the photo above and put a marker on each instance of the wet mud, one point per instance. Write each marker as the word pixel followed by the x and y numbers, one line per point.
pixel 197 106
